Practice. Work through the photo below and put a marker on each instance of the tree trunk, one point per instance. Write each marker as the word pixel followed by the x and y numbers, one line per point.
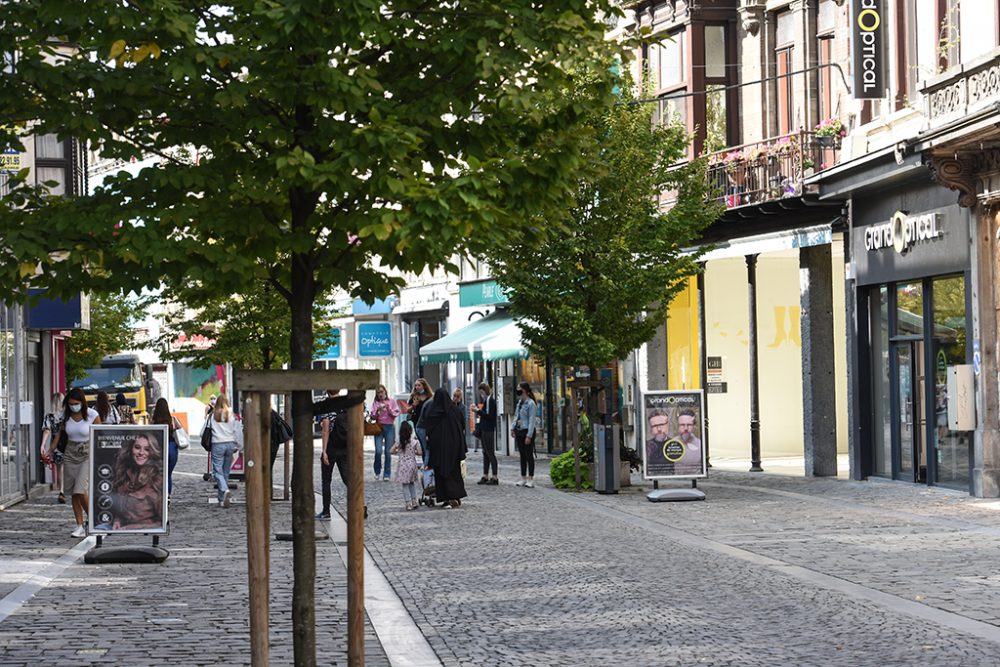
pixel 303 493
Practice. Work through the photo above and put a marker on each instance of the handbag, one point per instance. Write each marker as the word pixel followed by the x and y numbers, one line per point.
pixel 477 432
pixel 182 438
pixel 465 469
pixel 373 428
pixel 206 437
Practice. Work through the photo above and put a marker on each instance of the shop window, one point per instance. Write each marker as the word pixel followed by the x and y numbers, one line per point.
pixel 910 309
pixel 881 397
pixel 952 447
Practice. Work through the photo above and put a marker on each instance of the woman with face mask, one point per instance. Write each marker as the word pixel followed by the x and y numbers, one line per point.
pixel 77 420
pixel 524 433
pixel 384 411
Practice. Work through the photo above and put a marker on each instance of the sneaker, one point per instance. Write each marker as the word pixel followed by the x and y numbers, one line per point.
pixel 378 476
pixel 323 515
pixel 79 531
pixel 62 498
pixel 227 499
pixel 387 479
pixel 483 480
pixel 494 481
pixel 520 482
pixel 530 484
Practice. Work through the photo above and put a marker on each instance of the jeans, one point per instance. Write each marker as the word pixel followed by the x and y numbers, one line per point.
pixel 526 451
pixel 171 464
pixel 422 437
pixel 489 452
pixel 409 492
pixel 383 443
pixel 222 461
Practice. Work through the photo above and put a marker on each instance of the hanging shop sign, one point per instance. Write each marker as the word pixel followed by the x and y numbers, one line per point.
pixel 128 479
pixel 374 339
pixel 672 428
pixel 10 161
pixel 868 38
pixel 715 377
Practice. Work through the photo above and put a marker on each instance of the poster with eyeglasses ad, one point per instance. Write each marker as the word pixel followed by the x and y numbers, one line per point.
pixel 672 430
pixel 128 479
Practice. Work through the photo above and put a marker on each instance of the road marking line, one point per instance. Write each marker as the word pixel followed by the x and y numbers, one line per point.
pixel 36 582
pixel 888 601
pixel 401 639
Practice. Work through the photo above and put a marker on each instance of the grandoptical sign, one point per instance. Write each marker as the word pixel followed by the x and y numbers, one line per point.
pixel 911 245
pixel 868 37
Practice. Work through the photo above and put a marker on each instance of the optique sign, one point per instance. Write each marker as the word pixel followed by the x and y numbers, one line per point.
pixel 374 339
pixel 902 232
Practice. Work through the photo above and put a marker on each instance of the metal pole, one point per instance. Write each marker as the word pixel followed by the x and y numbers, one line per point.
pixel 257 529
pixel 754 383
pixel 575 430
pixel 355 537
pixel 704 360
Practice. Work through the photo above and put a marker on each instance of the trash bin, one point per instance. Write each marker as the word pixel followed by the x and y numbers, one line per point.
pixel 606 457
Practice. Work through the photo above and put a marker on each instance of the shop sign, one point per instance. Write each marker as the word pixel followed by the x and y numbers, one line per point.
pixel 903 231
pixel 333 349
pixel 10 160
pixel 374 339
pixel 128 479
pixel 672 427
pixel 481 293
pixel 715 379
pixel 868 36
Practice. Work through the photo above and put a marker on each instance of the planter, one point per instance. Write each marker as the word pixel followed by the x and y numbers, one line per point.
pixel 827 140
pixel 624 474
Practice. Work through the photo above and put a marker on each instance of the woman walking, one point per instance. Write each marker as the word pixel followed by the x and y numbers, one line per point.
pixel 524 433
pixel 104 409
pixel 408 449
pixel 51 424
pixel 77 420
pixel 226 436
pixel 384 411
pixel 446 442
pixel 161 415
pixel 488 433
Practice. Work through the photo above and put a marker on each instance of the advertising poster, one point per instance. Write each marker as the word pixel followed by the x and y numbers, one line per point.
pixel 672 430
pixel 128 479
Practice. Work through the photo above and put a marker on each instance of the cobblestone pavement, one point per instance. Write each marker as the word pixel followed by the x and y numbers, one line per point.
pixel 770 570
pixel 191 610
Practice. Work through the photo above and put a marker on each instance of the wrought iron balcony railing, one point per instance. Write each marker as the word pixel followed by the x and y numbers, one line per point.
pixel 770 170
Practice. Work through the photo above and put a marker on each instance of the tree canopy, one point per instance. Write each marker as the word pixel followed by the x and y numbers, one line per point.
pixel 600 290
pixel 112 317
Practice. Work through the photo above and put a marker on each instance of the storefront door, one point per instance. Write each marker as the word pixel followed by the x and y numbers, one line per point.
pixel 908 446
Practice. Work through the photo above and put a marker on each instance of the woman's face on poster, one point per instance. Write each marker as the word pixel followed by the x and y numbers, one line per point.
pixel 141 451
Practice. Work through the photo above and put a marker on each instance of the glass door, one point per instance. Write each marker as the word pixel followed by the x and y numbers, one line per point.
pixel 909 382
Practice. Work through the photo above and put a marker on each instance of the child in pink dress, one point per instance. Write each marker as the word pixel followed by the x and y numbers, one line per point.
pixel 407 470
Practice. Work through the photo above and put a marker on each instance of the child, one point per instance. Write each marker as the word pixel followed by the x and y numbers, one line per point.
pixel 408 449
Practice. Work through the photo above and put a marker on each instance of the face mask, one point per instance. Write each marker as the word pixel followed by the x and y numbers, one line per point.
pixel 420 391
pixel 519 392
pixel 75 407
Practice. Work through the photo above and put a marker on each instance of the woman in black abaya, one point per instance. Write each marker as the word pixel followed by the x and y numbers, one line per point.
pixel 446 442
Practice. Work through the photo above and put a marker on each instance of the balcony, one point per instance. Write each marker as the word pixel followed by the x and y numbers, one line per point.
pixel 770 170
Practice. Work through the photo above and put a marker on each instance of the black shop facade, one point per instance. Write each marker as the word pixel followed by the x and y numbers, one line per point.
pixel 917 359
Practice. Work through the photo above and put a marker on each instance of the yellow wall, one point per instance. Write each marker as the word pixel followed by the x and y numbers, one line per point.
pixel 684 356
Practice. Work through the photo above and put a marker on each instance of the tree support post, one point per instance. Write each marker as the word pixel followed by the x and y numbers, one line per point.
pixel 256 422
pixel 355 537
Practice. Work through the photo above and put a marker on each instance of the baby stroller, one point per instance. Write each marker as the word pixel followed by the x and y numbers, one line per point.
pixel 427 482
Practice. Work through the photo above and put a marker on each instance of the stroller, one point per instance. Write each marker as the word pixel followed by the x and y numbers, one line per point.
pixel 427 484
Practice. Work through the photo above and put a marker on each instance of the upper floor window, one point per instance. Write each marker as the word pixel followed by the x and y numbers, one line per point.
pixel 784 52
pixel 667 69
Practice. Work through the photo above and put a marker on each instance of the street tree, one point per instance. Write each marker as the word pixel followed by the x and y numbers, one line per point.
pixel 112 318
pixel 313 144
pixel 601 289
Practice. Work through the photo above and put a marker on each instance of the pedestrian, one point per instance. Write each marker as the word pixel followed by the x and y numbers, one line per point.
pixel 161 415
pixel 78 417
pixel 487 429
pixel 457 397
pixel 419 398
pixel 210 408
pixel 408 449
pixel 523 431
pixel 385 411
pixel 126 415
pixel 51 424
pixel 446 442
pixel 104 409
pixel 333 453
pixel 227 438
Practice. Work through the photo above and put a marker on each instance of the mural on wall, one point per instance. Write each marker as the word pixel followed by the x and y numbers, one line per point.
pixel 200 383
pixel 786 328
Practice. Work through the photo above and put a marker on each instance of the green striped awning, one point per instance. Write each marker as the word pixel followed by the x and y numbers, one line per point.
pixel 493 337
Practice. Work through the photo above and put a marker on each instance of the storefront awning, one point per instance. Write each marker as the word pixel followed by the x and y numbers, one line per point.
pixel 493 337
